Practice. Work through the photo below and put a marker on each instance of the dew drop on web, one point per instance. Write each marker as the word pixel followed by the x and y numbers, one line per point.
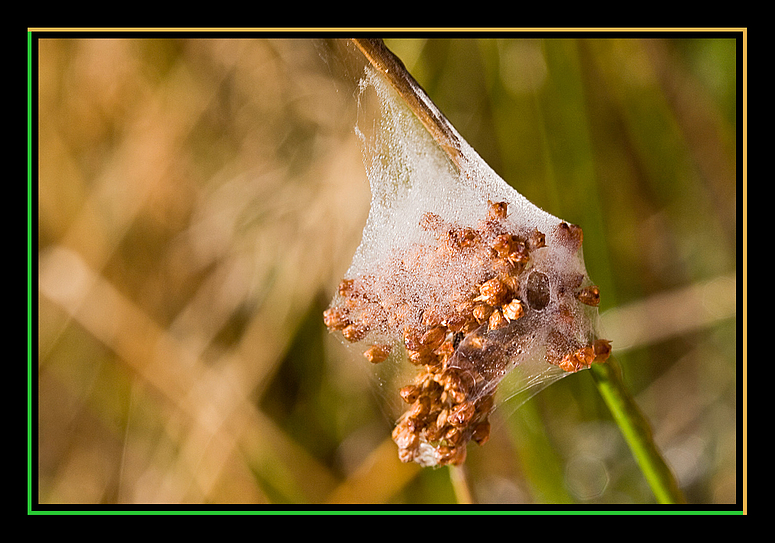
pixel 463 294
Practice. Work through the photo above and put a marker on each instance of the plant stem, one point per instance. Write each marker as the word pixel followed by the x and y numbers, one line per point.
pixel 636 431
pixel 459 477
pixel 382 59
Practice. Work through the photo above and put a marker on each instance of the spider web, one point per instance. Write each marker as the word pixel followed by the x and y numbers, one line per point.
pixel 414 183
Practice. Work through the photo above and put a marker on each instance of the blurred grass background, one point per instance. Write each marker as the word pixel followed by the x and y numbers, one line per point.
pixel 199 200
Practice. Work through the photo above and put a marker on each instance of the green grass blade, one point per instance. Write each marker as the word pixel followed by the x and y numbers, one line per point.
pixel 636 431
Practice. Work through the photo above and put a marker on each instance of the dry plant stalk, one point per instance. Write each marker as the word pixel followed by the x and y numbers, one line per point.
pixel 391 67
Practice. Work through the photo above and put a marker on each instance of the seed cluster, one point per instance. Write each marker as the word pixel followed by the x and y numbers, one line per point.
pixel 451 397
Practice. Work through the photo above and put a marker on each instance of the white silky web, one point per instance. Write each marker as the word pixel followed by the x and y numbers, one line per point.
pixel 409 175
pixel 404 274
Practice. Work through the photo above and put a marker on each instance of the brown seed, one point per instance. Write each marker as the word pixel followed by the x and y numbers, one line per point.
pixel 578 360
pixel 461 414
pixel 536 240
pixel 405 438
pixel 485 404
pixel 496 321
pixel 493 292
pixel 433 338
pixel 482 312
pixel 409 393
pixel 481 432
pixel 570 235
pixel 602 348
pixel 335 318
pixel 346 287
pixel 497 210
pixel 513 310
pixel 454 436
pixel 505 244
pixel 446 350
pixel 354 332
pixel 589 296
pixel 421 407
pixel 377 353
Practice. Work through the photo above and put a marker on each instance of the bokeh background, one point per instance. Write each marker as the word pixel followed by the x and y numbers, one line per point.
pixel 200 198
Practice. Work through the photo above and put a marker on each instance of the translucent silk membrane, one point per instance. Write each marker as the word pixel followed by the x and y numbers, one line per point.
pixel 460 287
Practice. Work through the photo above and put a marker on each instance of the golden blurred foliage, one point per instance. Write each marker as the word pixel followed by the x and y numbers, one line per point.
pixel 200 198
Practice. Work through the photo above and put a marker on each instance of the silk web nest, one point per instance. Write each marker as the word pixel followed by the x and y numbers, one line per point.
pixel 460 280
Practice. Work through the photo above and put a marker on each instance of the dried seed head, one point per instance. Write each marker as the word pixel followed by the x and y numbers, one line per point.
pixel 447 403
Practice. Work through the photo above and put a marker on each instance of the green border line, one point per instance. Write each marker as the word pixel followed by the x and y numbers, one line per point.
pixel 29 271
pixel 665 488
